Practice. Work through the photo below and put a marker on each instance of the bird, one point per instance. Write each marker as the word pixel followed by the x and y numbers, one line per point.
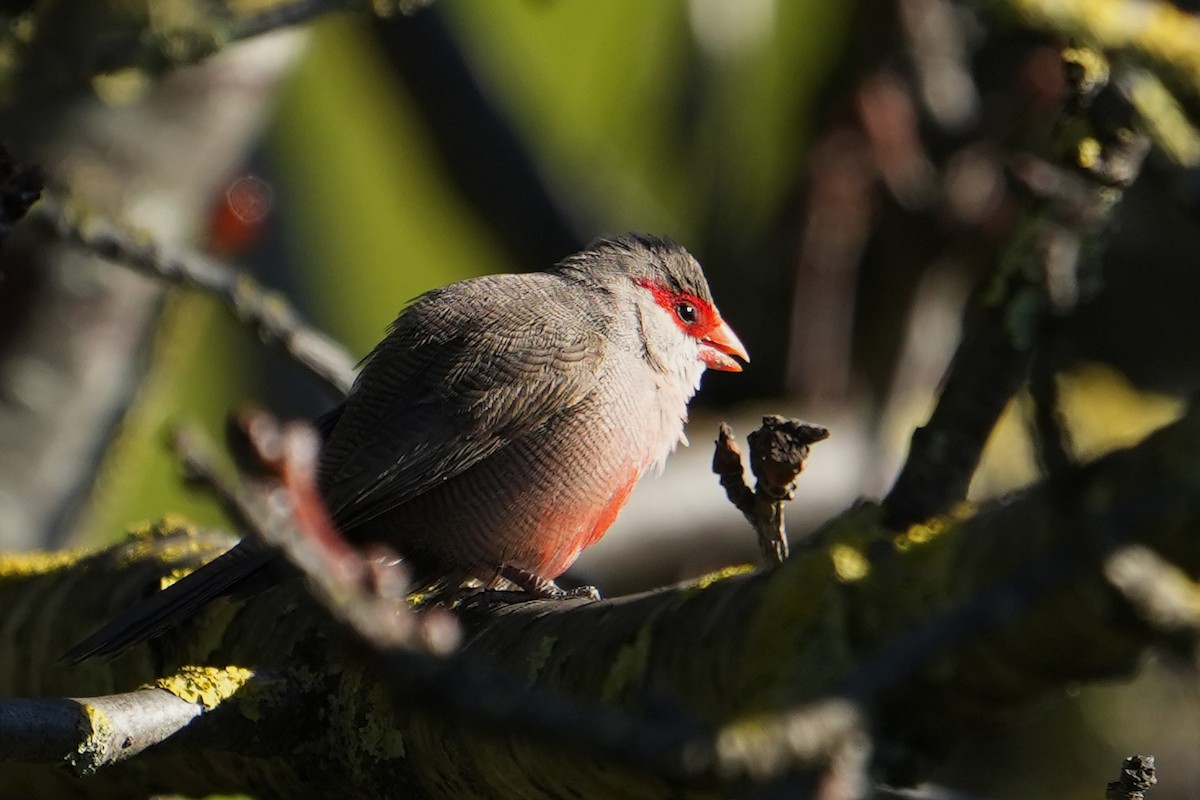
pixel 499 427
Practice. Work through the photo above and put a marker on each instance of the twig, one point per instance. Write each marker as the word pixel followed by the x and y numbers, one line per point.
pixel 1137 776
pixel 90 733
pixel 1065 222
pixel 778 451
pixel 268 313
pixel 836 229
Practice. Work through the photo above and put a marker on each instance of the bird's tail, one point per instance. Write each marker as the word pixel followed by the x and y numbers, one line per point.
pixel 222 576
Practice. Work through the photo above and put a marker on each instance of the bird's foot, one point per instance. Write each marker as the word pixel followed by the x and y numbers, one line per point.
pixel 544 588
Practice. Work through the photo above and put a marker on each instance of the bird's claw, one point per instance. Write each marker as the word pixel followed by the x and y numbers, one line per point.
pixel 544 588
pixel 585 592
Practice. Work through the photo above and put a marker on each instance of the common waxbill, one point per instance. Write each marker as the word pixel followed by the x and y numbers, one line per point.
pixel 500 426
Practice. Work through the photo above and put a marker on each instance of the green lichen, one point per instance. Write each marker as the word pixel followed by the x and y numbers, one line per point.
pixel 797 605
pixel 538 658
pixel 850 563
pixel 170 540
pixel 1088 152
pixel 209 686
pixel 722 574
pixel 167 525
pixel 95 729
pixel 628 667
pixel 804 603
pixel 1089 66
pixel 930 548
pixel 378 739
pixel 925 532
pixel 38 562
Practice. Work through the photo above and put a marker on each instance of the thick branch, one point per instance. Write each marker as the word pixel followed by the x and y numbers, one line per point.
pixel 940 630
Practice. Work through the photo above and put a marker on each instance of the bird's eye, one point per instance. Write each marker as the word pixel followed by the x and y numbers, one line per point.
pixel 686 312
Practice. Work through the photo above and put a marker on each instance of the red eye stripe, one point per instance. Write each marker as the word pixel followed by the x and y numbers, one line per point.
pixel 706 316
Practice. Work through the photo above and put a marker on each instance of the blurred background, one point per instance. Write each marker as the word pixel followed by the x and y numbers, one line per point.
pixel 841 170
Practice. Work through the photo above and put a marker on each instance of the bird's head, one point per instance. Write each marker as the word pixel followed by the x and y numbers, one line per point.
pixel 679 324
pixel 698 319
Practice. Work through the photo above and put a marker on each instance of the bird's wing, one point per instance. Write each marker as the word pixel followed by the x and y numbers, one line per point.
pixel 457 379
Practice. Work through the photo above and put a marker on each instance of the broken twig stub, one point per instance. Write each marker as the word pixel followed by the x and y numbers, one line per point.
pixel 778 451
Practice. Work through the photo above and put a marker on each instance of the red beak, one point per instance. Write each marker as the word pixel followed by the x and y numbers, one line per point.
pixel 718 345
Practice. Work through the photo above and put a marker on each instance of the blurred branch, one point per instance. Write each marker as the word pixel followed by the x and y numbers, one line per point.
pixel 268 313
pixel 1156 33
pixel 76 335
pixel 939 47
pixel 837 224
pixel 1052 438
pixel 1162 117
pixel 481 150
pixel 282 14
pixel 1163 596
pixel 57 48
pixel 1063 226
pixel 365 594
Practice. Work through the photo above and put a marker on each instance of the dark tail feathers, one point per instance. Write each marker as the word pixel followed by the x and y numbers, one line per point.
pixel 246 566
pixel 177 602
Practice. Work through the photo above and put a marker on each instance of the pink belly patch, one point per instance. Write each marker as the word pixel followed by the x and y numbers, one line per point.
pixel 584 531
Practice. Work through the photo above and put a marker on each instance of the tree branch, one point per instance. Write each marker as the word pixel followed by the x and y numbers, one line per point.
pixel 778 451
pixel 933 634
pixel 268 313
pixel 1158 34
pixel 1072 206
pixel 88 734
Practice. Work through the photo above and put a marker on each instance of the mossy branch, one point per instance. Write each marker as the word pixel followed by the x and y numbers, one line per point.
pixel 935 633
